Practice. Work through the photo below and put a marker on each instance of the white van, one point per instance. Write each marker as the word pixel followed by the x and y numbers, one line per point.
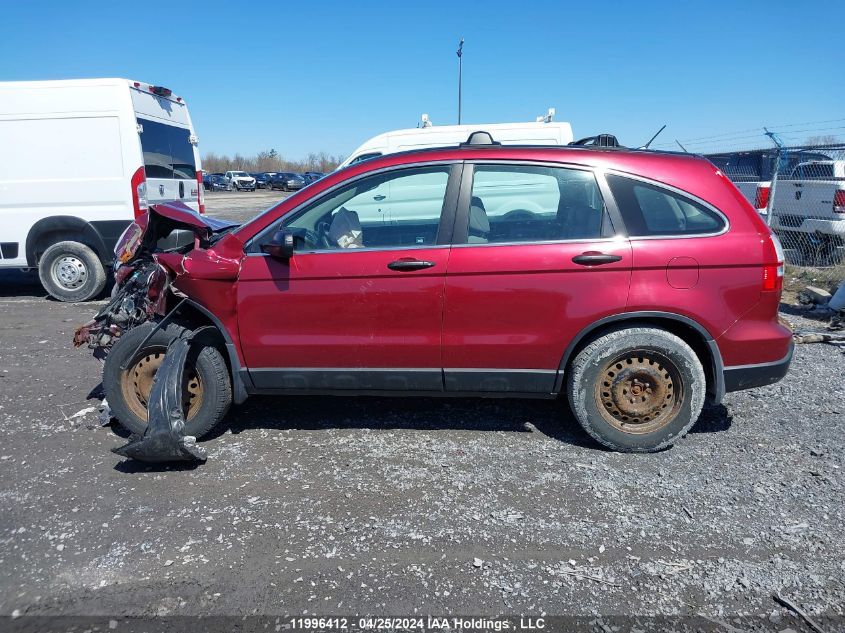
pixel 79 160
pixel 539 133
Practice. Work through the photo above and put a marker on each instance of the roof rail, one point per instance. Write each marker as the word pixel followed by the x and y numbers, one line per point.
pixel 479 138
pixel 600 140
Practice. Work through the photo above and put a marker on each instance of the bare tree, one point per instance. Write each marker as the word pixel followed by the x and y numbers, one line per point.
pixel 824 139
pixel 270 160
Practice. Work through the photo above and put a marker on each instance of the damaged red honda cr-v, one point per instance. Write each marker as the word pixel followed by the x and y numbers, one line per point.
pixel 636 283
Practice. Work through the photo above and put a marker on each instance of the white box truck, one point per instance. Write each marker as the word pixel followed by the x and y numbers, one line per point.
pixel 79 160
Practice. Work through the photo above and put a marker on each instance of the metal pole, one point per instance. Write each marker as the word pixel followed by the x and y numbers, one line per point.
pixel 460 72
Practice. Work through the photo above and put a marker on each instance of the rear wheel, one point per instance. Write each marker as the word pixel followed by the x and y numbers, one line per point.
pixel 71 272
pixel 207 394
pixel 636 389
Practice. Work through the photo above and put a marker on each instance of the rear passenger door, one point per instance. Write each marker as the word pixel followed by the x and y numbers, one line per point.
pixel 535 260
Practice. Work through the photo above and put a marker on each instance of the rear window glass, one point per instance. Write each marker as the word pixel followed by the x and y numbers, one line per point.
pixel 812 171
pixel 168 152
pixel 651 210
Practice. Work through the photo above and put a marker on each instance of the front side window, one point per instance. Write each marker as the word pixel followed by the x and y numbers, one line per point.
pixel 512 203
pixel 650 210
pixel 167 149
pixel 395 209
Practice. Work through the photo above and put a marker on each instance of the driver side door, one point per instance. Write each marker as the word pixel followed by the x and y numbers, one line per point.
pixel 359 305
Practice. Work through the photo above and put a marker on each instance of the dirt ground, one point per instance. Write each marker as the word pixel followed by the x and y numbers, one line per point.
pixel 382 506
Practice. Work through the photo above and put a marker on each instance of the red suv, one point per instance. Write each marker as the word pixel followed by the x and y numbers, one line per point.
pixel 635 283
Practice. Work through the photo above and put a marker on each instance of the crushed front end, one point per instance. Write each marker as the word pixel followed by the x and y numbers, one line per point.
pixel 142 280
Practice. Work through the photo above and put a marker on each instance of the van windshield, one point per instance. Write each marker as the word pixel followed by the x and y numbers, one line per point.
pixel 168 152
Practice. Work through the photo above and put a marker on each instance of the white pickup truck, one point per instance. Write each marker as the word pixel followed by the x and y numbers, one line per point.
pixel 808 211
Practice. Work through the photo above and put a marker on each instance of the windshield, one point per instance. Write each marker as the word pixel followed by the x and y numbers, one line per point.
pixel 239 173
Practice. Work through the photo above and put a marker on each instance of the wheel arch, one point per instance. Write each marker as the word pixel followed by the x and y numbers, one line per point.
pixel 192 315
pixel 689 330
pixel 65 228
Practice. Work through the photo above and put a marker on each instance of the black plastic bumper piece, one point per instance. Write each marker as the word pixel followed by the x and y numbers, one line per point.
pixel 750 376
pixel 164 439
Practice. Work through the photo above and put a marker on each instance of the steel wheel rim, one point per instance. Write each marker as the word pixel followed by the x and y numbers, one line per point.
pixel 639 392
pixel 137 381
pixel 69 272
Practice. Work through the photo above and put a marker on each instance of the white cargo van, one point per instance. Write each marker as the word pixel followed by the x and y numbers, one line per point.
pixel 539 133
pixel 79 160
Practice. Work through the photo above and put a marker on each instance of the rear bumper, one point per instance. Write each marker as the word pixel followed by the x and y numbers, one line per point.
pixel 742 377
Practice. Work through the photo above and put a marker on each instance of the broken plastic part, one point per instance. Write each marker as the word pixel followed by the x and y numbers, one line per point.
pixel 164 439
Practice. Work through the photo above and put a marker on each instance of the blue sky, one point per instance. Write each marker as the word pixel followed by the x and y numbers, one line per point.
pixel 328 75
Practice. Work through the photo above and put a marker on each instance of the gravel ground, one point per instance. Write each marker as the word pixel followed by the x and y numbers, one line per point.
pixel 403 506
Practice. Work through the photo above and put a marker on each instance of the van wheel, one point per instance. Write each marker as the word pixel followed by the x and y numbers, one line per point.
pixel 636 390
pixel 72 272
pixel 208 390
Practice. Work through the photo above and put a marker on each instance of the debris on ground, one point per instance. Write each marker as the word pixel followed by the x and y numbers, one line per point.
pixel 810 336
pixel 796 609
pixel 837 302
pixel 105 417
pixel 814 296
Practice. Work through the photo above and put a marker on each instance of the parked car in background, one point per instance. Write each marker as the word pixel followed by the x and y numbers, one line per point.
pixel 752 171
pixel 286 181
pixel 312 176
pixel 240 180
pixel 79 160
pixel 261 179
pixel 533 133
pixel 633 283
pixel 808 211
pixel 216 182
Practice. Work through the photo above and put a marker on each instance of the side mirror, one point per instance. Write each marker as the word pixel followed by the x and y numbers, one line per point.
pixel 281 246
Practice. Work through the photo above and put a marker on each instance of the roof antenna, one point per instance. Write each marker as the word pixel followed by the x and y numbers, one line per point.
pixel 653 137
pixel 681 146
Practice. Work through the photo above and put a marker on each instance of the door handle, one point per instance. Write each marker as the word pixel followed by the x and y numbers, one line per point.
pixel 409 264
pixel 595 259
pixel 379 198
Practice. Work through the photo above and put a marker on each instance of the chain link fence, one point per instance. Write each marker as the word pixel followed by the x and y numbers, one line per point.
pixel 800 192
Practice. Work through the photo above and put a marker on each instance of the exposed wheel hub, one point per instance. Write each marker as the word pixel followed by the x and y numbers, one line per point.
pixel 69 272
pixel 639 392
pixel 137 384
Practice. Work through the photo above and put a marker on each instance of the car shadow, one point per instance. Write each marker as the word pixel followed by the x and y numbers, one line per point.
pixel 549 417
pixel 713 419
pixel 552 418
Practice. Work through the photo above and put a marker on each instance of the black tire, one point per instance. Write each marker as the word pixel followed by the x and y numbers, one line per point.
pixel 205 366
pixel 624 389
pixel 71 272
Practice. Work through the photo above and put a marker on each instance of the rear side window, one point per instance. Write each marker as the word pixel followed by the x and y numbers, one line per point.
pixel 533 204
pixel 651 210
pixel 168 152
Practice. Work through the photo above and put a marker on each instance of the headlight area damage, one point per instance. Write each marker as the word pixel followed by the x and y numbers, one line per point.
pixel 152 257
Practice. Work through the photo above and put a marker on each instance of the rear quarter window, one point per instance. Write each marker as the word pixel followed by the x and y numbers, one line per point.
pixel 651 210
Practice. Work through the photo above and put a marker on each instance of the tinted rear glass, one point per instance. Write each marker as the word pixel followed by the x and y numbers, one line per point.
pixel 168 152
pixel 651 210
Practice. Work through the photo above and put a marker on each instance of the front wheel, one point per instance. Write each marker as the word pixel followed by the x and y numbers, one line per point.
pixel 71 272
pixel 208 390
pixel 636 390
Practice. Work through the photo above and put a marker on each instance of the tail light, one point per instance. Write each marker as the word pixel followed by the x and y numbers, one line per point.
pixel 761 200
pixel 200 192
pixel 139 192
pixel 839 201
pixel 772 272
